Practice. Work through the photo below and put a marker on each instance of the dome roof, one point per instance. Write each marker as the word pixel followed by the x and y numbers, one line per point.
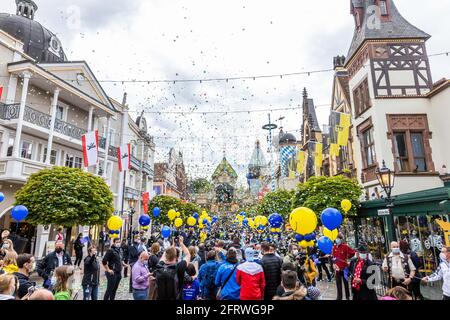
pixel 38 42
pixel 287 138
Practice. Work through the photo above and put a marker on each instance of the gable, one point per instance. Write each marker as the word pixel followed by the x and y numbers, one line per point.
pixel 80 76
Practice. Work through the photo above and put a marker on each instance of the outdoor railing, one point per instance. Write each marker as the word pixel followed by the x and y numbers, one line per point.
pixel 135 163
pixel 36 117
pixel 69 130
pixel 9 111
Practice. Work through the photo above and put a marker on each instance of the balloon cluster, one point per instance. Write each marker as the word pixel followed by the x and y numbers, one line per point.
pixel 303 221
pixel 113 234
pixel 275 221
pixel 260 223
pixel 331 220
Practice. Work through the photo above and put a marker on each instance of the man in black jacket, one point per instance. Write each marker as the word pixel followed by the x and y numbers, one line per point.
pixel 113 263
pixel 362 269
pixel 52 261
pixel 91 275
pixel 272 270
pixel 26 264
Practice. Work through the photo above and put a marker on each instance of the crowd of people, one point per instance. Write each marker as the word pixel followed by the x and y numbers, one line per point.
pixel 231 265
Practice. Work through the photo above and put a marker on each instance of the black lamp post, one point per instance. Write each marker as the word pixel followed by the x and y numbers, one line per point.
pixel 386 178
pixel 132 204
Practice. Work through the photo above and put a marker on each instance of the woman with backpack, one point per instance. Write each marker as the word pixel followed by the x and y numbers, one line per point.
pixel 207 276
pixel 226 278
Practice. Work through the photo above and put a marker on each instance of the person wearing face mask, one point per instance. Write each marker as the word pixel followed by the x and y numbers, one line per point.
pixel 8 287
pixel 341 253
pixel 134 251
pixel 442 273
pixel 53 260
pixel 399 267
pixel 27 265
pixel 113 263
pixel 361 272
pixel 140 277
pixel 91 275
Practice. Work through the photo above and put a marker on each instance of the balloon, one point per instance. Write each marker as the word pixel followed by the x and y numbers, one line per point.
pixel 178 214
pixel 346 205
pixel 275 220
pixel 172 214
pixel 331 218
pixel 165 232
pixel 191 221
pixel 310 243
pixel 215 219
pixel 303 244
pixel 299 238
pixel 310 237
pixel 19 213
pixel 156 212
pixel 195 215
pixel 325 245
pixel 144 220
pixel 205 221
pixel 245 222
pixel 251 223
pixel 243 214
pixel 303 220
pixel 114 223
pixel 145 228
pixel 2 197
pixel 264 220
pixel 332 234
pixel 178 222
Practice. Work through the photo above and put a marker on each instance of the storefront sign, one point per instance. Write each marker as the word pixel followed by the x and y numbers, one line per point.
pixel 384 212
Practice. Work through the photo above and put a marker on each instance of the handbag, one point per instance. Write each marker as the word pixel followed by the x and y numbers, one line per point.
pixel 226 280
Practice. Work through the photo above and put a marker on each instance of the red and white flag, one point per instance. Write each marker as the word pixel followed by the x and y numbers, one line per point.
pixel 145 200
pixel 123 155
pixel 89 142
pixel 1 91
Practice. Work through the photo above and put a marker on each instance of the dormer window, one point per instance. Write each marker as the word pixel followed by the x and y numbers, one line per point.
pixel 383 8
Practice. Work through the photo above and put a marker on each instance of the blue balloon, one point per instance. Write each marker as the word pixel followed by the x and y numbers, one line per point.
pixel 275 220
pixel 243 214
pixel 261 227
pixel 299 237
pixel 331 218
pixel 195 215
pixel 205 221
pixel 165 232
pixel 310 237
pixel 214 220
pixel 325 245
pixel 112 232
pixel 2 197
pixel 156 212
pixel 19 213
pixel 144 220
pixel 245 222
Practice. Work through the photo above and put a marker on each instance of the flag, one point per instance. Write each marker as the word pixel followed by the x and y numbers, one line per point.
pixel 145 200
pixel 334 149
pixel 123 155
pixel 315 150
pixel 286 154
pixel 1 91
pixel 339 128
pixel 89 142
pixel 301 162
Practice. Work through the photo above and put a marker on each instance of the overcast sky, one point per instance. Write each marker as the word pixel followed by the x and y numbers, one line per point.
pixel 195 39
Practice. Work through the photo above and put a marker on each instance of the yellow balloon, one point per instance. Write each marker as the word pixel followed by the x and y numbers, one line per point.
pixel 172 214
pixel 191 221
pixel 114 223
pixel 178 214
pixel 251 224
pixel 178 222
pixel 258 221
pixel 346 205
pixel 303 244
pixel 332 234
pixel 303 220
pixel 200 225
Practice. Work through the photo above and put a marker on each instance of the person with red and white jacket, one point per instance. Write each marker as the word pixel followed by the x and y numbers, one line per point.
pixel 341 253
pixel 250 276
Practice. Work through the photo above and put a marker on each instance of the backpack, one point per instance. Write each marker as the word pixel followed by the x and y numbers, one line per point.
pixel 167 282
pixel 209 279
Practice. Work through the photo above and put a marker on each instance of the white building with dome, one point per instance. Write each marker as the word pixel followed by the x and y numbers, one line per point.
pixel 47 104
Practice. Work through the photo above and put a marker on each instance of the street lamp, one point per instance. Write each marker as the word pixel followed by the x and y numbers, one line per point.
pixel 132 204
pixel 386 178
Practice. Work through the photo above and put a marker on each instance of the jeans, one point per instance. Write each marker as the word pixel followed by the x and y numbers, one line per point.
pixel 112 285
pixel 339 280
pixel 90 292
pixel 140 294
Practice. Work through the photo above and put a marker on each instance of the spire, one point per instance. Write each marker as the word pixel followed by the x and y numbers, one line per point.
pixel 379 19
pixel 26 8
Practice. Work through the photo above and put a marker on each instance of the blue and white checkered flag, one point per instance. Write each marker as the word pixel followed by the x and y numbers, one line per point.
pixel 286 154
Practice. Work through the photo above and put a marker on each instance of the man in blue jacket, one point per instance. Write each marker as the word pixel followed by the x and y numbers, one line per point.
pixel 207 276
pixel 226 277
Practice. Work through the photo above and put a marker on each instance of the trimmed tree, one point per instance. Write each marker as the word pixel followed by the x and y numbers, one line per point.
pixel 279 201
pixel 166 203
pixel 67 197
pixel 319 193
